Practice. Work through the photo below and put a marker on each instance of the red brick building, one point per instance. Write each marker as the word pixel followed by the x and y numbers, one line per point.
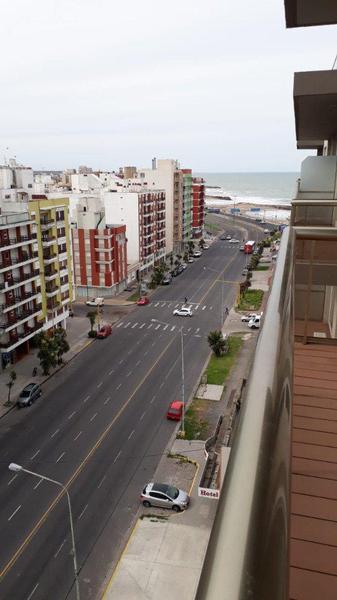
pixel 198 208
pixel 100 260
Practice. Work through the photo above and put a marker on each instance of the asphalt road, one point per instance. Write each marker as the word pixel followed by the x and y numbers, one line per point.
pixel 100 428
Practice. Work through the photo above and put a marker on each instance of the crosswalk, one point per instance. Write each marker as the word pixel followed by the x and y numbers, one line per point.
pixel 158 326
pixel 195 306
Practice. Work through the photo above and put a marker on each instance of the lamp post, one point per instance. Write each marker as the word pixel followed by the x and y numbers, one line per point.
pixel 221 298
pixel 182 374
pixel 17 469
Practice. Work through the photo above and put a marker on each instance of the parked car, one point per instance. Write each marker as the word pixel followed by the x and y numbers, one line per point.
pixel 242 248
pixel 223 237
pixel 197 253
pixel 104 331
pixel 245 272
pixel 167 279
pixel 255 322
pixel 205 247
pixel 184 311
pixel 228 237
pixel 266 231
pixel 180 269
pixel 95 302
pixel 143 300
pixel 175 272
pixel 249 317
pixel 234 241
pixel 29 394
pixel 190 259
pixel 183 266
pixel 175 410
pixel 164 496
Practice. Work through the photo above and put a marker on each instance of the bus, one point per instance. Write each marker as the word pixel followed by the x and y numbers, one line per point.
pixel 249 247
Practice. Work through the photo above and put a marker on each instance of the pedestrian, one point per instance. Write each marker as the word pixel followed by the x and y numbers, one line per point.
pixel 226 311
pixel 185 299
pixel 34 372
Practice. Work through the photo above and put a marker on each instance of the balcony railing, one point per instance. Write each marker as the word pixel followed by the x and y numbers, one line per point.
pixel 247 554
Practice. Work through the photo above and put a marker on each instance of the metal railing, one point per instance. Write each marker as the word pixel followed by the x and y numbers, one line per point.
pixel 247 555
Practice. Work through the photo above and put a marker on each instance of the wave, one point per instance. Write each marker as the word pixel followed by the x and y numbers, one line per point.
pixel 214 200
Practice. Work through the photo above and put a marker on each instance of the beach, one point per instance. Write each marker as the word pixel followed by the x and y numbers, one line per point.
pixel 273 213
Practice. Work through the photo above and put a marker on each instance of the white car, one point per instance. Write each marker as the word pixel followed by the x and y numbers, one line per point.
pixel 255 322
pixel 228 237
pixel 249 317
pixel 190 259
pixel 234 241
pixel 205 247
pixel 184 311
pixel 266 231
pixel 95 302
pixel 197 253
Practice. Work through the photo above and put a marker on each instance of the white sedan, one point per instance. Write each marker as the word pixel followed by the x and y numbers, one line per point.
pixel 247 318
pixel 184 311
pixel 95 302
pixel 234 241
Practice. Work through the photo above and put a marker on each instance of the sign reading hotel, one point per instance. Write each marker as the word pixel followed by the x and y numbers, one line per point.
pixel 209 493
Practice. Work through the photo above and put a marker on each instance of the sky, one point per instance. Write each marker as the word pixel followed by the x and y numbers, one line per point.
pixel 111 83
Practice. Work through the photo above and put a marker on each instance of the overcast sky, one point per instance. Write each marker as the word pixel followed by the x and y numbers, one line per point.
pixel 110 83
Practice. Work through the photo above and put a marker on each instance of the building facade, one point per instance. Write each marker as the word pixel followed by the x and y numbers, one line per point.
pixel 198 207
pixel 20 286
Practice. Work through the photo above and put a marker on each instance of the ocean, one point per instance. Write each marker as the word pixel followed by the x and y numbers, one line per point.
pixel 252 188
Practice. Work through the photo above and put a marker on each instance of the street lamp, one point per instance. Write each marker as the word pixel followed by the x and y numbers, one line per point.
pixel 222 286
pixel 17 469
pixel 182 373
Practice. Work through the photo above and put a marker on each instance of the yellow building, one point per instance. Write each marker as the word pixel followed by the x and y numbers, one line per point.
pixel 54 251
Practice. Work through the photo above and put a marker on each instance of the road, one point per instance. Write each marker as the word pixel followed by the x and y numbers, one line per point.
pixel 100 428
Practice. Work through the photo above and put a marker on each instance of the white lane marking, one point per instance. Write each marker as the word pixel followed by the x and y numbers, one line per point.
pixel 143 415
pixel 100 483
pixel 198 336
pixel 93 417
pixel 55 432
pixel 83 511
pixel 154 343
pixel 33 592
pixel 189 329
pixel 211 308
pixel 154 397
pixel 198 329
pixel 99 384
pixel 131 434
pixel 120 362
pixel 164 328
pixel 143 325
pixel 127 325
pixel 149 327
pixel 59 549
pixel 119 385
pixel 36 453
pixel 176 305
pixel 157 304
pixel 37 485
pixel 169 304
pixel 110 372
pixel 129 373
pixel 120 324
pixel 72 414
pixel 11 480
pixel 173 328
pixel 196 307
pixel 138 363
pixel 118 455
pixel 107 400
pixel 134 325
pixel 162 384
pixel 78 435
pixel 86 399
pixel 158 327
pixel 163 304
pixel 61 455
pixel 14 513
pixel 204 307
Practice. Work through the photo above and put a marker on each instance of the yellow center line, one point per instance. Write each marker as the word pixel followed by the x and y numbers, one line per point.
pixel 40 522
pixel 215 280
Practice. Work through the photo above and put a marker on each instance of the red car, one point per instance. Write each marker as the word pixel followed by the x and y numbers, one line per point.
pixel 175 410
pixel 143 300
pixel 104 331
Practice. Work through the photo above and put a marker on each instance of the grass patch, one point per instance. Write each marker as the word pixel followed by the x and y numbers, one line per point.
pixel 134 297
pixel 195 426
pixel 262 268
pixel 219 366
pixel 251 300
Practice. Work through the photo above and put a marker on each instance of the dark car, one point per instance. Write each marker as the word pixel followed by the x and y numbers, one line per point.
pixel 29 394
pixel 180 269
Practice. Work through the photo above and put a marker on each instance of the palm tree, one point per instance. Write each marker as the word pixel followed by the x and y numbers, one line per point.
pixel 92 318
pixel 12 378
pixel 217 343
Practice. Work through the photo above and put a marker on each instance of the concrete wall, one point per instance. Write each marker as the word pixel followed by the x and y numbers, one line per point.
pixel 123 209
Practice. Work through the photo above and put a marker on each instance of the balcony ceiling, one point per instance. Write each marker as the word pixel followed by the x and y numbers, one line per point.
pixel 315 104
pixel 302 13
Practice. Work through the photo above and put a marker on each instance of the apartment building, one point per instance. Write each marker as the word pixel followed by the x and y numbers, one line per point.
pixel 186 226
pixel 54 253
pixel 21 314
pixel 198 207
pixel 142 212
pixel 99 252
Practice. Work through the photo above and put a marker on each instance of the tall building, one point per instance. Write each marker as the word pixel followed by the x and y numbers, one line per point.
pixel 142 211
pixel 186 225
pixel 21 314
pixel 198 208
pixel 54 254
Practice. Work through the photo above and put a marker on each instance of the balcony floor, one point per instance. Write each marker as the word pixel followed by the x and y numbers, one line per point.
pixel 313 514
pixel 314 329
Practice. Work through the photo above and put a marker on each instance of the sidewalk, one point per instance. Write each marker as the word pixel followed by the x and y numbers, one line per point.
pixel 165 553
pixel 77 334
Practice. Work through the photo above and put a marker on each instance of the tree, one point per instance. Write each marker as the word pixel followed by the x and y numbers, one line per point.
pixel 91 315
pixel 47 351
pixel 217 343
pixel 190 246
pixel 186 257
pixel 158 275
pixel 60 336
pixel 171 260
pixel 10 383
pixel 201 243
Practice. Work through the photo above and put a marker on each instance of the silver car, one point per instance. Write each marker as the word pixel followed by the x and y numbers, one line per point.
pixel 29 394
pixel 164 496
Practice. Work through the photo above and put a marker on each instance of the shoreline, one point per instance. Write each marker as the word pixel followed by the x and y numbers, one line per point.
pixel 272 213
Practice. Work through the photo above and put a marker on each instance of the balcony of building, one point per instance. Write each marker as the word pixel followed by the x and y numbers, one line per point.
pixel 15 281
pixel 15 242
pixel 15 338
pixel 19 300
pixel 48 240
pixel 46 223
pixel 50 274
pixel 19 317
